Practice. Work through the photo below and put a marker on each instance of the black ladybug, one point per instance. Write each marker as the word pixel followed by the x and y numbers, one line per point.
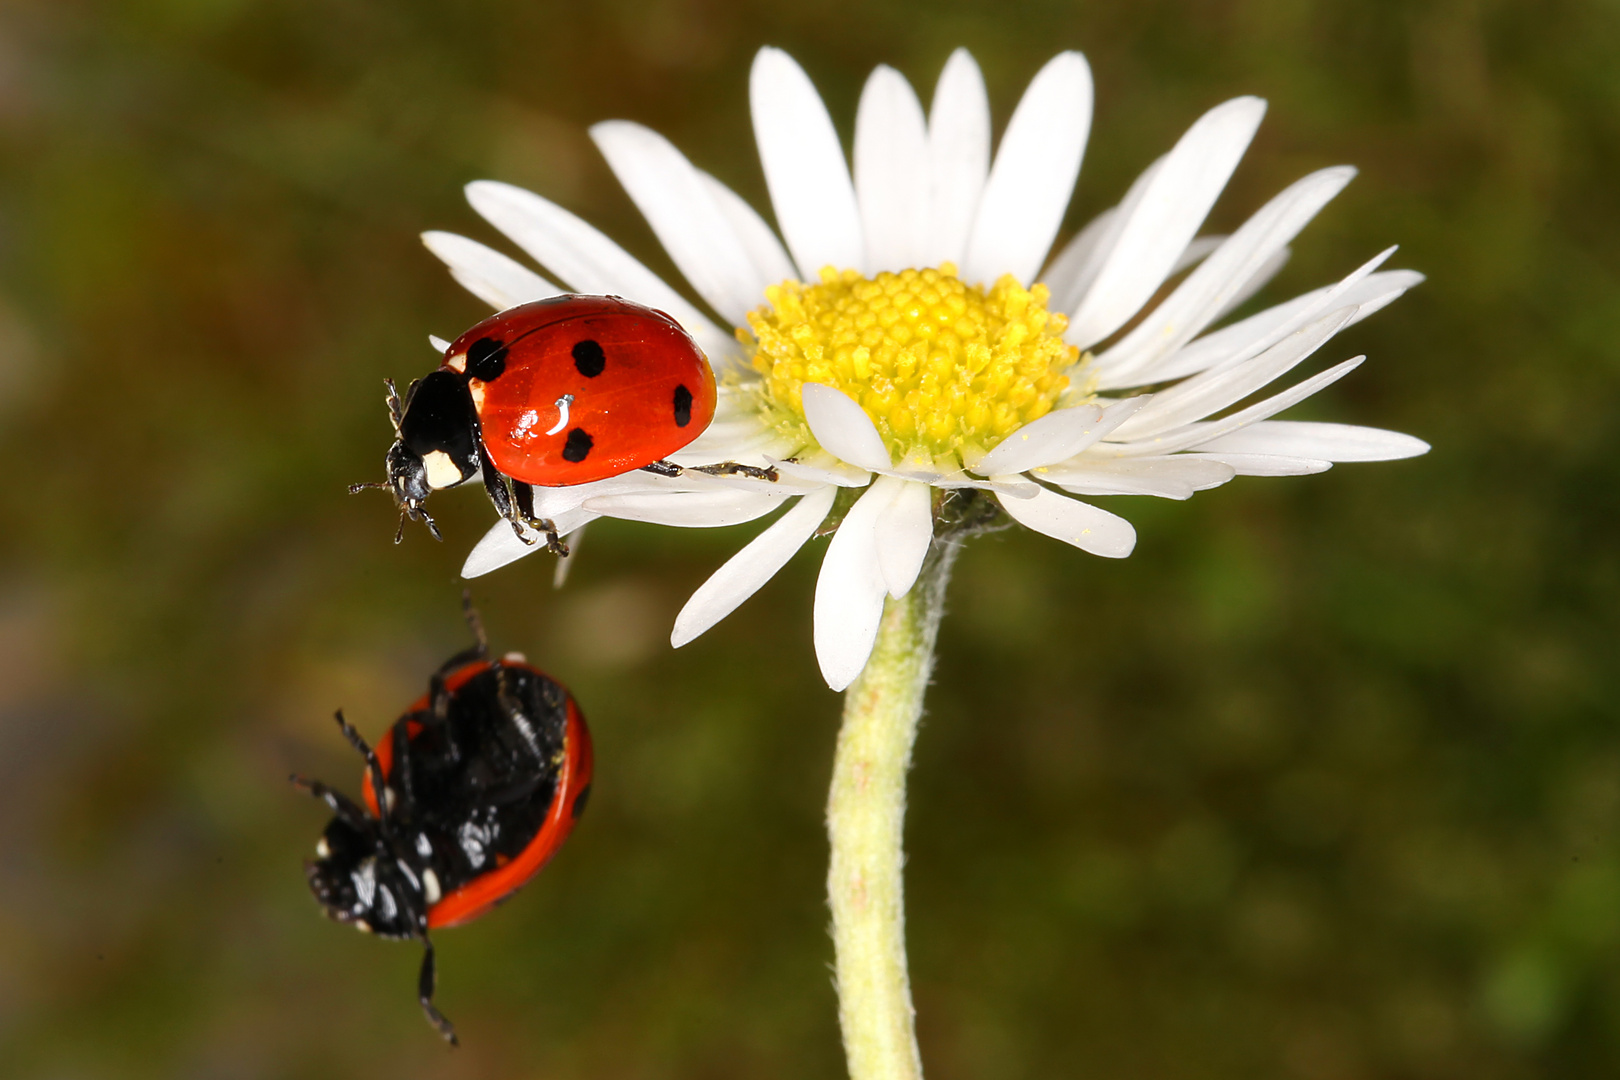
pixel 481 781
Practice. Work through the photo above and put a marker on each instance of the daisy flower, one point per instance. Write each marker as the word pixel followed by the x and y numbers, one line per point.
pixel 916 363
pixel 908 343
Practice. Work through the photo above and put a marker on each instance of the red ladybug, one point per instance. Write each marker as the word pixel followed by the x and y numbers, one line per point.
pixel 557 392
pixel 481 781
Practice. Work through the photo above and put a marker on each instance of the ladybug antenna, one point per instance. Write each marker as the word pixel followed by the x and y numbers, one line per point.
pixel 424 992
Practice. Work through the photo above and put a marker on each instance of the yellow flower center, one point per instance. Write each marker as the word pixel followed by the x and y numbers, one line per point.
pixel 944 369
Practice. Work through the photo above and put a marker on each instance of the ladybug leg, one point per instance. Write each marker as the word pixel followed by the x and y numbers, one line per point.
pixel 401 772
pixel 523 495
pixel 340 803
pixel 474 623
pixel 495 486
pixel 396 411
pixel 732 468
pixel 424 992
pixel 513 708
pixel 725 468
pixel 373 766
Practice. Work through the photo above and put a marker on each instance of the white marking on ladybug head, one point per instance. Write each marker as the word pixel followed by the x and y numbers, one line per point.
pixel 323 850
pixel 456 363
pixel 441 469
pixel 562 413
pixel 515 658
pixel 430 887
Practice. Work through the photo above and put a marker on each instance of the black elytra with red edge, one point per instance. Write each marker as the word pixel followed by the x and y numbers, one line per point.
pixel 553 393
pixel 481 781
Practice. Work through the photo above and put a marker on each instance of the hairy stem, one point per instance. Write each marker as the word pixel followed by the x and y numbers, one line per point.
pixel 865 821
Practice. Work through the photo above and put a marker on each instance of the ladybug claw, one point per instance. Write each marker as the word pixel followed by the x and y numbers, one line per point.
pixel 554 542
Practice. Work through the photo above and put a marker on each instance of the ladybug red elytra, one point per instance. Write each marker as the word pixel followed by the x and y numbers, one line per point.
pixel 481 782
pixel 557 392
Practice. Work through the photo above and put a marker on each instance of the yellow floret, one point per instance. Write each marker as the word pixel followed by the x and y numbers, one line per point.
pixel 941 367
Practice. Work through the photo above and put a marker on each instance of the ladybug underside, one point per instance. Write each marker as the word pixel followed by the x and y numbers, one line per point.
pixel 466 795
pixel 479 784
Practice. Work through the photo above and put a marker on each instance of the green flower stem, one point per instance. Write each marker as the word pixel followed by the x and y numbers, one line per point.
pixel 865 820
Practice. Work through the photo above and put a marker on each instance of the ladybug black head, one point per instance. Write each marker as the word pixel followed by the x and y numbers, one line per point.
pixel 436 444
pixel 358 879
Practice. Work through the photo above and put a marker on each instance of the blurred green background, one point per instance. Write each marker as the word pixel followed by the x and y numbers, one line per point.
pixel 1322 783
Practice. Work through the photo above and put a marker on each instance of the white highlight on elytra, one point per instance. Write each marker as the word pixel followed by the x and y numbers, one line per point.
pixel 562 410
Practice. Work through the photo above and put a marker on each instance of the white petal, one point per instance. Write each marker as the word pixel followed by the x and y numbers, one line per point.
pixel 1178 199
pixel 1331 300
pixel 588 261
pixel 1014 486
pixel 1330 442
pixel 1197 251
pixel 1079 268
pixel 1222 345
pixel 804 167
pixel 843 428
pixel 1074 522
pixel 1192 435
pixel 1213 390
pixel 1033 175
pixel 492 277
pixel 1174 477
pixel 958 155
pixel 1261 278
pixel 850 591
pixel 1053 437
pixel 500 545
pixel 1062 275
pixel 440 345
pixel 1210 289
pixel 553 502
pixel 745 572
pixel 690 509
pixel 891 172
pixel 765 251
pixel 680 207
pixel 565 563
pixel 904 531
pixel 1267 464
pixel 823 468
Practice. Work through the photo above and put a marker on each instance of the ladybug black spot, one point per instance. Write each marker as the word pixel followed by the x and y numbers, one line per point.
pixel 580 800
pixel 486 359
pixel 683 406
pixel 578 445
pixel 589 358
